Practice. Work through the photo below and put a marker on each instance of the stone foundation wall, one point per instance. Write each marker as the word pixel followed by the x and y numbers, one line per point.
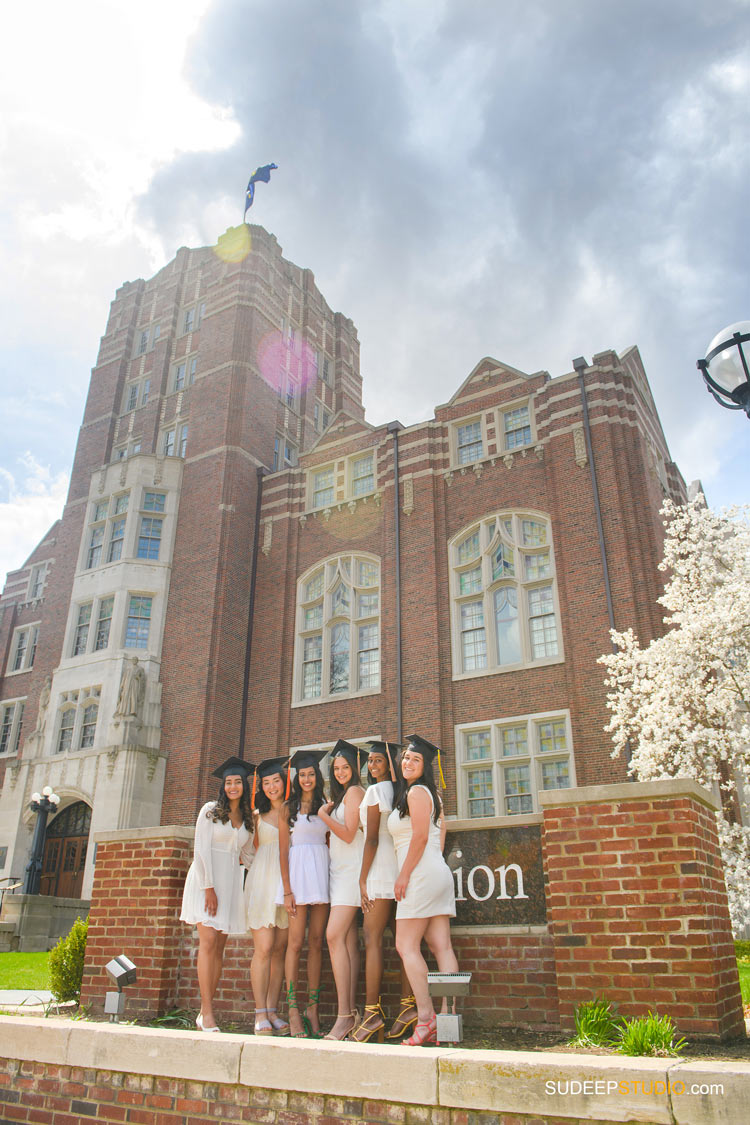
pixel 55 1072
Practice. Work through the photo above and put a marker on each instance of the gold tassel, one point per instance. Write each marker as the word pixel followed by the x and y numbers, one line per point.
pixel 255 784
pixel 440 771
pixel 288 779
pixel 390 763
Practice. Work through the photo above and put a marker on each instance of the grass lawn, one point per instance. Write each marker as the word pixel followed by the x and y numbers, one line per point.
pixel 744 968
pixel 24 970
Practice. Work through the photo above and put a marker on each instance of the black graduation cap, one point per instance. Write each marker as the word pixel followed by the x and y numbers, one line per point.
pixel 304 758
pixel 428 751
pixel 387 749
pixel 270 766
pixel 354 755
pixel 233 765
pixel 267 768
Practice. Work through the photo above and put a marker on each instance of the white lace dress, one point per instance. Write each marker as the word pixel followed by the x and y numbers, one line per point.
pixel 383 869
pixel 216 863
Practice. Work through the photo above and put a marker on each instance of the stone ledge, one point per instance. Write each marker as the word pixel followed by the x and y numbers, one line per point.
pixel 159 832
pixel 547 1085
pixel 628 791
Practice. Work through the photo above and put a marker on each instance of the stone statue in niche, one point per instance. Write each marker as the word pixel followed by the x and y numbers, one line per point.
pixel 132 691
pixel 41 717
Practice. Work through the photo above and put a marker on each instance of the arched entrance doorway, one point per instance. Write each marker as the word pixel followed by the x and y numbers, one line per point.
pixel 64 855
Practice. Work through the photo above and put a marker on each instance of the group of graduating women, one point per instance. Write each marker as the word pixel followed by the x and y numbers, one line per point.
pixel 312 863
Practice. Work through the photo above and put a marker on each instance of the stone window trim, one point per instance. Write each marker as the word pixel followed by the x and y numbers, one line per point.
pixel 76 720
pixel 504 593
pixel 104 542
pixel 503 764
pixel 514 429
pixel 146 339
pixel 11 724
pixel 23 645
pixel 191 317
pixel 173 440
pixel 138 617
pixel 90 626
pixel 338 631
pixel 37 582
pixel 347 480
pixel 183 373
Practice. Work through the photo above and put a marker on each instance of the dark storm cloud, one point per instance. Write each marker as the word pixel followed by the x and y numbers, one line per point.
pixel 530 180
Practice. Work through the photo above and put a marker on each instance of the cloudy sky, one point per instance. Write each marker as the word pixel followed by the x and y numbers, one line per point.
pixel 528 179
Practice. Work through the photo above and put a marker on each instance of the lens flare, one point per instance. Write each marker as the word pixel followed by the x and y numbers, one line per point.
pixel 235 244
pixel 272 359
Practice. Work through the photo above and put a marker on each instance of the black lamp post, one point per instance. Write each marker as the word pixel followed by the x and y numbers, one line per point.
pixel 725 368
pixel 42 804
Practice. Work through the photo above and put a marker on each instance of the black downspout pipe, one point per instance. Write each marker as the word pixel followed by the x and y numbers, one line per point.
pixel 580 366
pixel 250 614
pixel 393 428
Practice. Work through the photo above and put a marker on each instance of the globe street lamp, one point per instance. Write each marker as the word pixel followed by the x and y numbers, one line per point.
pixel 725 368
pixel 42 804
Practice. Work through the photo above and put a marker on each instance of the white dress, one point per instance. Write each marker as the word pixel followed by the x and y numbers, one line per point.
pixel 263 880
pixel 216 863
pixel 346 864
pixel 430 890
pixel 383 869
pixel 308 862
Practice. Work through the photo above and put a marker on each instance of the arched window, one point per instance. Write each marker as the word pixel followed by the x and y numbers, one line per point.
pixel 338 629
pixel 504 595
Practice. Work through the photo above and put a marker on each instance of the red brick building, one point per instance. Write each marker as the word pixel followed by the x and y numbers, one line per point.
pixel 235 563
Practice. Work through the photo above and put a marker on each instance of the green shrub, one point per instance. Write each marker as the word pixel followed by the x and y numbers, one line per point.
pixel 66 963
pixel 649 1035
pixel 742 950
pixel 597 1024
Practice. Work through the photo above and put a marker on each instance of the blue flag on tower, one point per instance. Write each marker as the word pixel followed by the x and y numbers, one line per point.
pixel 260 174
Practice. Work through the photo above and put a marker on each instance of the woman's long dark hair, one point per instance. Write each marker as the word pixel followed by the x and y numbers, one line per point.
pixel 295 800
pixel 427 779
pixel 221 810
pixel 337 789
pixel 262 802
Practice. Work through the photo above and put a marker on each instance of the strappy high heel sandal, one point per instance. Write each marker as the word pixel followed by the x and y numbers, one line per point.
pixel 425 1034
pixel 373 1023
pixel 344 1034
pixel 262 1026
pixel 313 997
pixel 280 1026
pixel 293 1006
pixel 406 1018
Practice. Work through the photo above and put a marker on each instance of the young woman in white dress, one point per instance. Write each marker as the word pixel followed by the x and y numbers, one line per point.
pixel 268 922
pixel 376 882
pixel 303 887
pixel 424 890
pixel 212 899
pixel 341 816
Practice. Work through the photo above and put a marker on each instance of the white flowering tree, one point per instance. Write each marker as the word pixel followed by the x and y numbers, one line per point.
pixel 680 705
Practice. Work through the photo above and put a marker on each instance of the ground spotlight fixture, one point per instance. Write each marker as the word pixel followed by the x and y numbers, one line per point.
pixel 725 368
pixel 122 972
